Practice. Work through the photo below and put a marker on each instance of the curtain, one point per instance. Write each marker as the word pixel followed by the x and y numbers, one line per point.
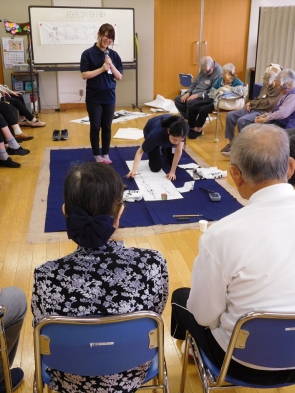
pixel 276 38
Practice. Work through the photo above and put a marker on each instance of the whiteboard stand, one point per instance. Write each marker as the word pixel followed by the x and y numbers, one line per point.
pixel 35 113
pixel 135 106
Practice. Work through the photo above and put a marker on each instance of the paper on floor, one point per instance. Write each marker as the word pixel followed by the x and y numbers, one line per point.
pixel 153 184
pixel 129 133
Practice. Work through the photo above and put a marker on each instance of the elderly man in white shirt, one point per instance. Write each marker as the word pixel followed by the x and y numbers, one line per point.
pixel 246 260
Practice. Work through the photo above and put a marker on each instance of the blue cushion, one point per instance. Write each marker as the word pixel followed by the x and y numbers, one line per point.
pixel 256 89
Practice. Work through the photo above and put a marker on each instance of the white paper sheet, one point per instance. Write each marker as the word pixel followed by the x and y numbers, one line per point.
pixel 188 186
pixel 129 133
pixel 163 103
pixel 192 165
pixel 153 184
pixel 119 116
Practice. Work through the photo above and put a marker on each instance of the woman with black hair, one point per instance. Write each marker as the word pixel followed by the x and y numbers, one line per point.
pixel 162 133
pixel 102 276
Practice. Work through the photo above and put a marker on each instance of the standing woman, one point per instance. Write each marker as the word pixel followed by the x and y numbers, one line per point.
pixel 101 67
pixel 162 133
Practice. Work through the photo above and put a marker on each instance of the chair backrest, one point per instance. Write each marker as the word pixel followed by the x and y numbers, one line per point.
pixel 185 80
pixel 96 346
pixel 263 340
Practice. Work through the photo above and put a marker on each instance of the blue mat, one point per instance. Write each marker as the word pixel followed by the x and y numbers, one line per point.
pixel 140 213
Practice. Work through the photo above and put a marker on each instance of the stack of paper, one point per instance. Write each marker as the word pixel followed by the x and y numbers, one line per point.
pixel 163 103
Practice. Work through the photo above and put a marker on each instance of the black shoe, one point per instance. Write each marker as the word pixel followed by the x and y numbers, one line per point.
pixel 56 135
pixel 17 152
pixel 17 376
pixel 194 134
pixel 64 135
pixel 9 163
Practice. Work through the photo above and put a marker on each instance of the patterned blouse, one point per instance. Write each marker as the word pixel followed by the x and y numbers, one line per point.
pixel 108 280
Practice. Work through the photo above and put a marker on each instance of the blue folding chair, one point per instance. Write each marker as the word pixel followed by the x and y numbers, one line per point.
pixel 185 80
pixel 96 346
pixel 259 340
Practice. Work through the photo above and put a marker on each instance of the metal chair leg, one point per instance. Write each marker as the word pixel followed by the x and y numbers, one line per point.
pixel 184 365
pixel 216 127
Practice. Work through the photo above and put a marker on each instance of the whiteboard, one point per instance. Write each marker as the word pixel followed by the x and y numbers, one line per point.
pixel 59 35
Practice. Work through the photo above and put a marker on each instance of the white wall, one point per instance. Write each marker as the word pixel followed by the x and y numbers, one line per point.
pixel 63 87
pixel 69 85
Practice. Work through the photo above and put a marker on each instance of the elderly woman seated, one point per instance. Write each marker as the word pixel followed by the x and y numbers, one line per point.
pixel 283 114
pixel 227 84
pixel 268 98
pixel 102 276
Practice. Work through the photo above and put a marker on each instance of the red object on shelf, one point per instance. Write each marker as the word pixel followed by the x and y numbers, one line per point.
pixel 35 97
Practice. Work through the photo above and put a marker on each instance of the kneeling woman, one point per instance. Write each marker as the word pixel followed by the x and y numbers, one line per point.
pixel 164 132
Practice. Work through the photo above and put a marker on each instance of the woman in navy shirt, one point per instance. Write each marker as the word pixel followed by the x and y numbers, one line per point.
pixel 162 133
pixel 101 67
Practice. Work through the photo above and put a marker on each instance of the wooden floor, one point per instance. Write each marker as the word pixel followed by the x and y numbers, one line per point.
pixel 18 258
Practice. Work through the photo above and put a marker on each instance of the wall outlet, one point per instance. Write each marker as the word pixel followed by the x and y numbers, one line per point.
pixel 81 92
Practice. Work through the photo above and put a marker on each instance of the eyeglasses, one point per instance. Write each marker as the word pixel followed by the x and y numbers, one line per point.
pixel 109 39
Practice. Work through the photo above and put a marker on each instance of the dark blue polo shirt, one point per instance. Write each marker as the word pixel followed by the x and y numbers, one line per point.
pixel 155 135
pixel 102 88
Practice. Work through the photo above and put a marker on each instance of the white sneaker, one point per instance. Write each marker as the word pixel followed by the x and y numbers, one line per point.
pixel 190 352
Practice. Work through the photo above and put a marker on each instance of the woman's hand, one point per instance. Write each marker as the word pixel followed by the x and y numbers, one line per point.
pixel 260 119
pixel 171 176
pixel 105 67
pixel 131 174
pixel 248 106
pixel 16 93
pixel 5 93
pixel 108 60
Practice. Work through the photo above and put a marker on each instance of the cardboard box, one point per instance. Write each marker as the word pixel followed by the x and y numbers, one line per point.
pixel 18 85
pixel 21 67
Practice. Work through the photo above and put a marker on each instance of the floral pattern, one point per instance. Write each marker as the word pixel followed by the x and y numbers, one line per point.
pixel 108 280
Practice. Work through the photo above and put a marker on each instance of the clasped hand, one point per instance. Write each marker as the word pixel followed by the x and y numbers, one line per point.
pixel 260 119
pixel 106 66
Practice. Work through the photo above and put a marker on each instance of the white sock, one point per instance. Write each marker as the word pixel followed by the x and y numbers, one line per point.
pixel 17 130
pixel 12 143
pixel 3 155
